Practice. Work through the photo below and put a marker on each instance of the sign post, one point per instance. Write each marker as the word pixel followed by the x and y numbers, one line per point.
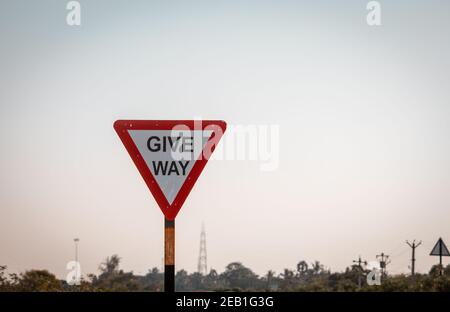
pixel 170 155
pixel 440 250
pixel 169 255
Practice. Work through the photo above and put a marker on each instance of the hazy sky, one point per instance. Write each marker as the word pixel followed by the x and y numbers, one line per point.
pixel 363 113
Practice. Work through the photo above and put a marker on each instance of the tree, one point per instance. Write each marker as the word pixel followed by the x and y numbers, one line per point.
pixel 316 267
pixel 111 265
pixel 182 282
pixel 271 281
pixel 447 270
pixel 38 280
pixel 302 268
pixel 113 279
pixel 211 280
pixel 239 277
pixel 5 284
pixel 153 280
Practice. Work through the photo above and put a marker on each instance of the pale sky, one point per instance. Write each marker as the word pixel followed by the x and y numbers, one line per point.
pixel 363 114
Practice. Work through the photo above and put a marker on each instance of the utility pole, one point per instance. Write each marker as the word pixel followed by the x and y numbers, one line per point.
pixel 413 258
pixel 384 261
pixel 360 263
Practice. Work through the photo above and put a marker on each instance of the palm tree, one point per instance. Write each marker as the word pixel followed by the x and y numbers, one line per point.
pixel 111 265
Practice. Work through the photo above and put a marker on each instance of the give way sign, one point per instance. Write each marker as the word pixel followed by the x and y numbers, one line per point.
pixel 170 155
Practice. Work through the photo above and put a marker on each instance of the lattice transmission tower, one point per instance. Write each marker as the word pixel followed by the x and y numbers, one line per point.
pixel 202 266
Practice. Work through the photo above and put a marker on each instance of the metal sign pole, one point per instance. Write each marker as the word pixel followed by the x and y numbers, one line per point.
pixel 169 255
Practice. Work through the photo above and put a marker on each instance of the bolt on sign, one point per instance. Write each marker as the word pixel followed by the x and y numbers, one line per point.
pixel 170 155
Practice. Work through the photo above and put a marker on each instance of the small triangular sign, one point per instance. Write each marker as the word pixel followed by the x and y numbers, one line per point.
pixel 440 249
pixel 170 155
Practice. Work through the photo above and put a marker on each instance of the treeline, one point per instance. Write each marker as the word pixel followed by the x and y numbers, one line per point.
pixel 235 277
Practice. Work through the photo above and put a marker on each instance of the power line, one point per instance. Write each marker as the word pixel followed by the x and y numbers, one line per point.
pixel 398 254
pixel 396 249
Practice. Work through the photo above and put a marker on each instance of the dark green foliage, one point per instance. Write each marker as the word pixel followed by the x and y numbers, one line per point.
pixel 236 277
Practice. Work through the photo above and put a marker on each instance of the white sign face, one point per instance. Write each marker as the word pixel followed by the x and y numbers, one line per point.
pixel 170 155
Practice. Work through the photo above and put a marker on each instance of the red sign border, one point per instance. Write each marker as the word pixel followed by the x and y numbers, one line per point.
pixel 122 127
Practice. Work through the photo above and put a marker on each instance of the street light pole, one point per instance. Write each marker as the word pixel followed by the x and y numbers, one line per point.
pixel 76 240
pixel 77 265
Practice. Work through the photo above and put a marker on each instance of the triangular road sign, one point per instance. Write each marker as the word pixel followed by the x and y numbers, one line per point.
pixel 170 155
pixel 440 249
